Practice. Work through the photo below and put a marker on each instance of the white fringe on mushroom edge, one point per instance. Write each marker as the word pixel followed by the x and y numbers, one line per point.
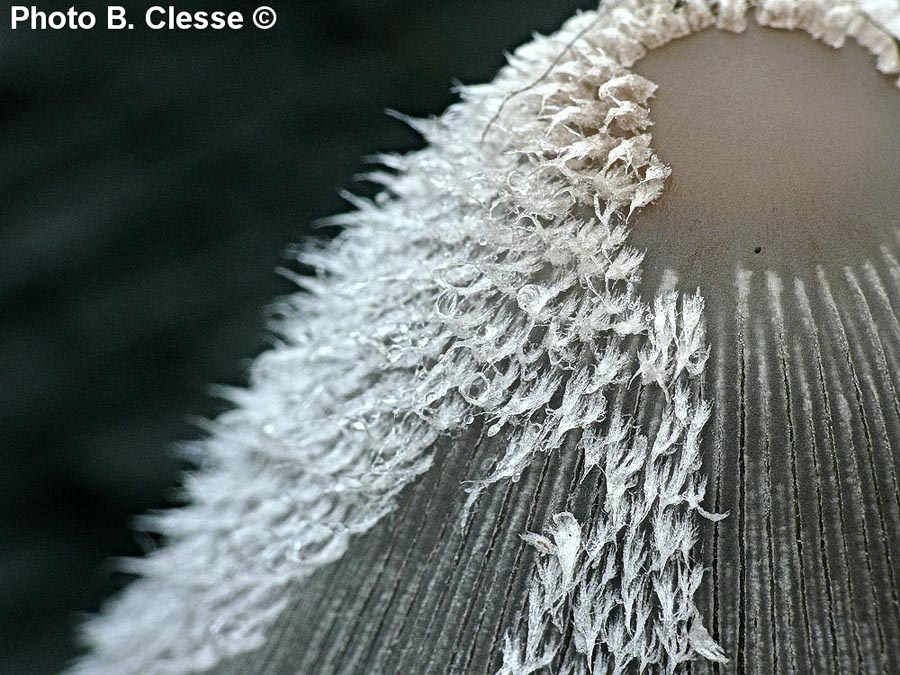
pixel 489 279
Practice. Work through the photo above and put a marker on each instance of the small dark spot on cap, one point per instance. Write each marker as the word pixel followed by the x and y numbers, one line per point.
pixel 758 249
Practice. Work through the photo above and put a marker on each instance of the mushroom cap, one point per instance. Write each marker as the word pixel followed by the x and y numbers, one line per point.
pixel 784 209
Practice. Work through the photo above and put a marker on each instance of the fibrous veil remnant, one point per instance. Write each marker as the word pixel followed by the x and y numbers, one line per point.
pixel 490 280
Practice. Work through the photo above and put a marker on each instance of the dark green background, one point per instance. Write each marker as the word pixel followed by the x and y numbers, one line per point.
pixel 149 184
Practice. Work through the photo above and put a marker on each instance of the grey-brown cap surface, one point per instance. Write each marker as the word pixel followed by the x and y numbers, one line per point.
pixel 783 207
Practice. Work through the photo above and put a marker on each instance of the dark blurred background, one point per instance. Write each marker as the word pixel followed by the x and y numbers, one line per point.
pixel 150 182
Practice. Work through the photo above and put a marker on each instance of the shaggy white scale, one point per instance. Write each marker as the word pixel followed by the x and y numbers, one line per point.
pixel 489 280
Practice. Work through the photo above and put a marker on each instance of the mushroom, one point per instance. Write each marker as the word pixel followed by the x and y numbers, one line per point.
pixel 552 320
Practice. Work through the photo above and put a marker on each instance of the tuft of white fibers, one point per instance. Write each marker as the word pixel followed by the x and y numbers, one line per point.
pixel 623 582
pixel 489 279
